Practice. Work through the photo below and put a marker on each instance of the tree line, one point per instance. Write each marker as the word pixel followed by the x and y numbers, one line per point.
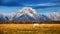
pixel 28 22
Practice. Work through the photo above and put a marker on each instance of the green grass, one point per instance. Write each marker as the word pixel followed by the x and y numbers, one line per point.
pixel 29 29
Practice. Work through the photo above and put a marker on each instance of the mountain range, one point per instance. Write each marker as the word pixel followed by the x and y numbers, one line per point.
pixel 30 14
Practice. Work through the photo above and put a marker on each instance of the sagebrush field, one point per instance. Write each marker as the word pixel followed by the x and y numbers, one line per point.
pixel 29 29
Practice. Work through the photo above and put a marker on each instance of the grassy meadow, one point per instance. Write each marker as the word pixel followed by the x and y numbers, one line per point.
pixel 29 29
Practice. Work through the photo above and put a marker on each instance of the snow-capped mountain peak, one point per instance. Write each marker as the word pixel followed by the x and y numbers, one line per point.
pixel 11 15
pixel 27 13
pixel 55 16
pixel 2 17
pixel 27 10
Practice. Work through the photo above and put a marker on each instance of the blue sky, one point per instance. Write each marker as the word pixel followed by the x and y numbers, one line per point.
pixel 41 6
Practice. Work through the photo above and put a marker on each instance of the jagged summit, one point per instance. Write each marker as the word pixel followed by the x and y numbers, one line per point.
pixel 27 10
pixel 2 17
pixel 27 13
pixel 55 16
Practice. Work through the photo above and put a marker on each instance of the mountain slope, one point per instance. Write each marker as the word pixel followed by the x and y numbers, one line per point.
pixel 30 14
pixel 27 13
pixel 55 16
pixel 2 17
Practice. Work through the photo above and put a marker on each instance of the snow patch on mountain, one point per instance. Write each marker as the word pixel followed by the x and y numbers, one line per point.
pixel 55 16
pixel 28 13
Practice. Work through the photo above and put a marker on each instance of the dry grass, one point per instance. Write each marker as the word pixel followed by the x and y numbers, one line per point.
pixel 29 29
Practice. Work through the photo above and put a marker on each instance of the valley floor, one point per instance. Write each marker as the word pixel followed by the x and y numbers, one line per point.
pixel 29 28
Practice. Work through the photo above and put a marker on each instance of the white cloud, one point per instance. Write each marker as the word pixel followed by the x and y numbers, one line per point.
pixel 43 4
pixel 46 4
